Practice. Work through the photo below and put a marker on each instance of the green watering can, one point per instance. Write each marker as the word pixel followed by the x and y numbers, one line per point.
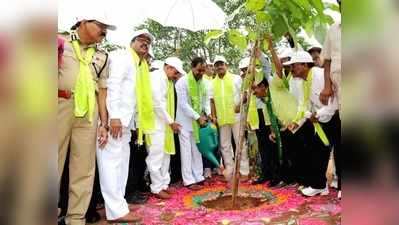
pixel 209 142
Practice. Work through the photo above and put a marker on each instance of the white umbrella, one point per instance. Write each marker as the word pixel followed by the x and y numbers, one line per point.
pixel 192 15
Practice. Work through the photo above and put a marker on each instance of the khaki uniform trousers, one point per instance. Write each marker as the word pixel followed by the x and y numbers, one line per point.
pixel 79 136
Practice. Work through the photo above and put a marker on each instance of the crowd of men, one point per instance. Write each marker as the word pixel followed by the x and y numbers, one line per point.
pixel 120 116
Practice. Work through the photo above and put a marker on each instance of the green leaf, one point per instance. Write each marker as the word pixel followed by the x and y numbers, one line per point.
pixel 320 30
pixel 214 34
pixel 329 19
pixel 255 5
pixel 331 6
pixel 262 17
pixel 290 30
pixel 236 38
pixel 279 27
pixel 309 28
pixel 304 4
pixel 251 36
pixel 265 45
pixel 318 4
pixel 295 10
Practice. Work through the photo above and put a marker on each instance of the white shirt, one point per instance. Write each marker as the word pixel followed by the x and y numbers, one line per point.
pixel 237 82
pixel 121 85
pixel 185 114
pixel 159 86
pixel 332 48
pixel 323 112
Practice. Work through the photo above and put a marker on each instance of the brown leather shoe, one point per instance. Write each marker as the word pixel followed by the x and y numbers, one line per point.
pixel 194 187
pixel 162 195
pixel 130 217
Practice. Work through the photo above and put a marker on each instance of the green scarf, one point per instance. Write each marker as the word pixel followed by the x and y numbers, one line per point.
pixel 145 108
pixel 223 90
pixel 169 137
pixel 196 90
pixel 274 125
pixel 85 90
pixel 305 104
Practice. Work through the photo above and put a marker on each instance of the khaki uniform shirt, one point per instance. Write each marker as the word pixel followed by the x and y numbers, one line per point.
pixel 69 70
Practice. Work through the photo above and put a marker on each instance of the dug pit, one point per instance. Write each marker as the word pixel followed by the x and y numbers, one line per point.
pixel 224 203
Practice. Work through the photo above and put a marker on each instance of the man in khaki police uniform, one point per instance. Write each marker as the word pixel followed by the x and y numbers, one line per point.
pixel 78 129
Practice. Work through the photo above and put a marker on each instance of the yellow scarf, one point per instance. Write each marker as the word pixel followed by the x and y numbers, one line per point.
pixel 305 104
pixel 224 99
pixel 146 115
pixel 85 91
pixel 253 118
pixel 196 91
pixel 169 137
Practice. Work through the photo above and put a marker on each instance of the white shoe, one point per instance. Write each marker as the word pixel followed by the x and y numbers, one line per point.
pixel 313 192
pixel 207 173
pixel 339 194
pixel 334 184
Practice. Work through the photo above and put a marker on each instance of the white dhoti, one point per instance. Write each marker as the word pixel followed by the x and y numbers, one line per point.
pixel 226 148
pixel 191 159
pixel 158 162
pixel 113 168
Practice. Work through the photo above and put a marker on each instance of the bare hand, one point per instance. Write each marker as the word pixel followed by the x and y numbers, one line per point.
pixel 325 94
pixel 313 118
pixel 213 119
pixel 272 137
pixel 202 120
pixel 175 127
pixel 102 134
pixel 116 128
pixel 237 109
pixel 292 126
pixel 258 53
pixel 245 98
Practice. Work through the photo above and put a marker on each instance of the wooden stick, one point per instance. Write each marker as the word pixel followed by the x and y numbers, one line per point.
pixel 243 121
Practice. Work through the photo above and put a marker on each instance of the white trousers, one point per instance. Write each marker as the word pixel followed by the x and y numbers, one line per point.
pixel 158 162
pixel 191 159
pixel 226 148
pixel 113 168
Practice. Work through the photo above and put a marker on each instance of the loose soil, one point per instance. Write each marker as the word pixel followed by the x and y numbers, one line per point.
pixel 224 203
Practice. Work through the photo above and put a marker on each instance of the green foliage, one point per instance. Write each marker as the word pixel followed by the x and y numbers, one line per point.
pixel 280 18
pixel 236 38
pixel 109 47
pixel 212 35
pixel 247 20
pixel 255 5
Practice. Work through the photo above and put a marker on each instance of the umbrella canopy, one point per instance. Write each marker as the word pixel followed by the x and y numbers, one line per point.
pixel 192 15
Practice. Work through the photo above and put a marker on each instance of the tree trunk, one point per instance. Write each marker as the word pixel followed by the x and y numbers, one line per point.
pixel 243 119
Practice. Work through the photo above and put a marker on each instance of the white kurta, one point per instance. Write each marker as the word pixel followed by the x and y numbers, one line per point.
pixel 227 130
pixel 332 51
pixel 157 160
pixel 191 159
pixel 113 160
